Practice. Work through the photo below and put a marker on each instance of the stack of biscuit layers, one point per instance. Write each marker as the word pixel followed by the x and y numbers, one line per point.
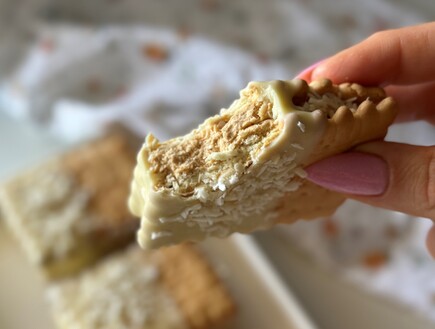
pixel 243 169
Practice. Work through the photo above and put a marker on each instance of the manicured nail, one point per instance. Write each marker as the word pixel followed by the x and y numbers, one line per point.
pixel 308 70
pixel 351 173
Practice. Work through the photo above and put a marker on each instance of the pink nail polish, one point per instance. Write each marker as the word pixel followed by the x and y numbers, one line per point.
pixel 304 73
pixel 351 173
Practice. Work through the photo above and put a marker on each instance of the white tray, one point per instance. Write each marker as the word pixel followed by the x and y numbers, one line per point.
pixel 263 301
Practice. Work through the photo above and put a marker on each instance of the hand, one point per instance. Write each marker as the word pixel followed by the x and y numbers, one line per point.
pixel 390 175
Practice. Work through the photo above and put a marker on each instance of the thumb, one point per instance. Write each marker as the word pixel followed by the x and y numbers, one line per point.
pixel 395 176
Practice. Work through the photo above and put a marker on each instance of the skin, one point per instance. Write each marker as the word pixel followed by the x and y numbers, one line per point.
pixel 402 61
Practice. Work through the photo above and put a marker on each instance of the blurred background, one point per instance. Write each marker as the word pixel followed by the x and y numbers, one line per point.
pixel 72 70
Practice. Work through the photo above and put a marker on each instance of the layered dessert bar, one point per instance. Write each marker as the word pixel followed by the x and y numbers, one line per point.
pixel 243 169
pixel 172 288
pixel 71 210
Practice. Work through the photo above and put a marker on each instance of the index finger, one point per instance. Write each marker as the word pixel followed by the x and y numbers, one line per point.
pixel 401 56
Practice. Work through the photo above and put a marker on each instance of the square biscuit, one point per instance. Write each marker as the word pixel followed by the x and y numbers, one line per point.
pixel 195 286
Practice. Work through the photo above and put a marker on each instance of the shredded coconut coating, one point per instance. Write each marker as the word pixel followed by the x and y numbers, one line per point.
pixel 123 292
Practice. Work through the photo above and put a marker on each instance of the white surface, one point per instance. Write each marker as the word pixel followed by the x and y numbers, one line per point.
pixel 330 302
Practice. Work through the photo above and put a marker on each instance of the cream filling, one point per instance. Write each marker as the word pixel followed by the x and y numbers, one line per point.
pixel 243 201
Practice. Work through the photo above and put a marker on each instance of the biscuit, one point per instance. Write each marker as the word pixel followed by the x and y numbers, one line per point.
pixel 244 169
pixel 72 210
pixel 194 285
pixel 173 288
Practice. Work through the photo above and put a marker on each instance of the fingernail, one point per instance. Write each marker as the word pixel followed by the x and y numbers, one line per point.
pixel 309 69
pixel 318 72
pixel 351 173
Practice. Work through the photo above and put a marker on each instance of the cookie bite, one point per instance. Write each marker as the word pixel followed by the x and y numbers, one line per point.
pixel 243 169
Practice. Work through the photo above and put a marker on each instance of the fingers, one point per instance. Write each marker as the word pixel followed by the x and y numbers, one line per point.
pixel 401 56
pixel 402 178
pixel 415 102
pixel 394 58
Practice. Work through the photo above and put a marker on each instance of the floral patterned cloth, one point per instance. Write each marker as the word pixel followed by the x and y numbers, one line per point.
pixel 79 81
pixel 146 64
